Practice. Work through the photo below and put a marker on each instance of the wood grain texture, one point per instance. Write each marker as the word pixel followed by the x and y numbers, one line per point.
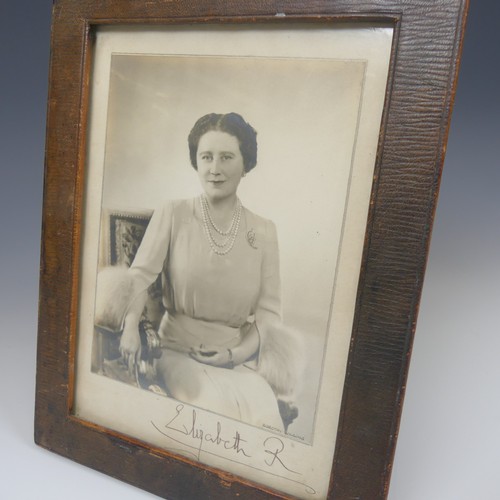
pixel 409 161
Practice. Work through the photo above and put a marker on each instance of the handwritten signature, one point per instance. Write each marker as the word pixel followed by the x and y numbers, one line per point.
pixel 197 433
pixel 186 430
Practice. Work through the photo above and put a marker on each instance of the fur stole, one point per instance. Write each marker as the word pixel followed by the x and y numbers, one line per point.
pixel 114 294
pixel 281 360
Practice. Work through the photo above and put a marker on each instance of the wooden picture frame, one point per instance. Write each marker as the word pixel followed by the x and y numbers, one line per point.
pixel 402 182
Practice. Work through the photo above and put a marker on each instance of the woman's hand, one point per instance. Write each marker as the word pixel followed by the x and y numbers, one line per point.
pixel 130 343
pixel 228 358
pixel 215 356
pixel 130 347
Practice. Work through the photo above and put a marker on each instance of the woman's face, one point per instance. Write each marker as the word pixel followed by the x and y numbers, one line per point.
pixel 220 164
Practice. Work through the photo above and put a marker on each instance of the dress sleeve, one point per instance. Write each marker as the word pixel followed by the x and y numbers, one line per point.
pixel 149 260
pixel 268 310
pixel 280 351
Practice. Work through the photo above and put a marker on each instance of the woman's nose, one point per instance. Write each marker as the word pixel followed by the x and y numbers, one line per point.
pixel 215 166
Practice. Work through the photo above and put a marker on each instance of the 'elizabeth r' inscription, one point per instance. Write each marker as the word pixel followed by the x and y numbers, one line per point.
pixel 185 429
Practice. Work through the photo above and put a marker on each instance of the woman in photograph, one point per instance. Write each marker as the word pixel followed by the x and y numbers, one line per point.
pixel 224 346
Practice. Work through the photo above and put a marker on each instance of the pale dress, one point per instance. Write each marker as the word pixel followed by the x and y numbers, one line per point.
pixel 212 300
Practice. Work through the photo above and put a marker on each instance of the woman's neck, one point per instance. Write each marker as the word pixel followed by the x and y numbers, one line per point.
pixel 222 210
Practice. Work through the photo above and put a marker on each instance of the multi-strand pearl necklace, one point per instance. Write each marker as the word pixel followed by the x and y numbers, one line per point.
pixel 224 242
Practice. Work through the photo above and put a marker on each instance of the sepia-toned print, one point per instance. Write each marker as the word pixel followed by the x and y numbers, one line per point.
pixel 198 315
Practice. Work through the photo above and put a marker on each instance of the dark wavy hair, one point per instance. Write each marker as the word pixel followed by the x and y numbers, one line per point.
pixel 231 123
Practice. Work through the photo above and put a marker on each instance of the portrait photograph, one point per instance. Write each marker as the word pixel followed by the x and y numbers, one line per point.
pixel 227 188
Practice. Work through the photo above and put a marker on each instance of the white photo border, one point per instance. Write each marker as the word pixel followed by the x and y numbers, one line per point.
pixel 92 394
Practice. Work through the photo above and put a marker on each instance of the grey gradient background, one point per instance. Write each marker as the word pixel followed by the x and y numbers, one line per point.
pixel 449 443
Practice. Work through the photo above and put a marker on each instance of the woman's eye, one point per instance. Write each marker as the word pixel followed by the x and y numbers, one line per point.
pixel 206 157
pixel 226 157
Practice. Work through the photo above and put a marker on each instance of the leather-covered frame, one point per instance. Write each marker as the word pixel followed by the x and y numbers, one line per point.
pixel 424 65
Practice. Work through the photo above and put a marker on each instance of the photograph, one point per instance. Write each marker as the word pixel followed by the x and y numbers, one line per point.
pixel 229 339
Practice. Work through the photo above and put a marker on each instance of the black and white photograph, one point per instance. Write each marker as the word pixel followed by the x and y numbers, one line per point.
pixel 221 321
pixel 212 174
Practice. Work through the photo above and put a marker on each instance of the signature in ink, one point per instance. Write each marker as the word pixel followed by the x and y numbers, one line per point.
pixel 197 433
pixel 185 429
pixel 275 446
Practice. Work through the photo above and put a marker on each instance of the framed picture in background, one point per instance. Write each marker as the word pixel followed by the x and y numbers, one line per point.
pixel 238 208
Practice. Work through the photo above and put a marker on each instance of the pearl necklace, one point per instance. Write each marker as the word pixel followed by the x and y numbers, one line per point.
pixel 236 214
pixel 224 245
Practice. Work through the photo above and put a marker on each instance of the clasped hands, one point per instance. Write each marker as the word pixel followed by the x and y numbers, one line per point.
pixel 130 350
pixel 213 355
